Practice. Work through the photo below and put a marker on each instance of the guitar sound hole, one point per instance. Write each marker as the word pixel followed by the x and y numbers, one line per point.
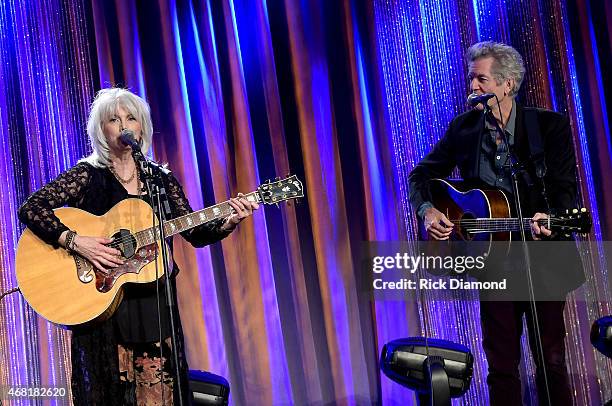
pixel 124 241
pixel 464 230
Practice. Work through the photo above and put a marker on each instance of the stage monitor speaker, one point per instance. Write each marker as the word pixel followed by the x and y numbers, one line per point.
pixel 437 369
pixel 601 335
pixel 208 389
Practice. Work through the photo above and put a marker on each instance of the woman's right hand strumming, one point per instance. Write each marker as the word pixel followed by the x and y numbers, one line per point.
pixel 96 251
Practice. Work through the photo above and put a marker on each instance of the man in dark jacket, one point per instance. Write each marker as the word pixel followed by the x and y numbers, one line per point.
pixel 474 145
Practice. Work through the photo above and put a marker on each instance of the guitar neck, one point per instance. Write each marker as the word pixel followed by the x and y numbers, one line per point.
pixel 191 220
pixel 492 225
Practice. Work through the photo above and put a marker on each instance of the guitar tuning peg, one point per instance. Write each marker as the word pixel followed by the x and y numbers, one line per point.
pixel 575 211
pixel 583 210
pixel 567 235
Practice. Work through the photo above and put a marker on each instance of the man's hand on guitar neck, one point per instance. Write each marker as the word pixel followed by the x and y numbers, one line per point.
pixel 538 230
pixel 437 225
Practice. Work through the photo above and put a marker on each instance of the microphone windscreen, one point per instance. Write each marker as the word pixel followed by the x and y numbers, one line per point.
pixel 127 137
pixel 474 99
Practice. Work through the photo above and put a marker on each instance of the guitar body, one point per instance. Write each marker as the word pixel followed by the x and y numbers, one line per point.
pixel 457 201
pixel 66 289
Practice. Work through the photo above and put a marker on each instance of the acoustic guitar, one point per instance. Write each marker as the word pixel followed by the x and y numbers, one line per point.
pixel 67 290
pixel 486 215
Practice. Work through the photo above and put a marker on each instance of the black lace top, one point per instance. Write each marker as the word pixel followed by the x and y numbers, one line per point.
pixel 96 190
pixel 94 349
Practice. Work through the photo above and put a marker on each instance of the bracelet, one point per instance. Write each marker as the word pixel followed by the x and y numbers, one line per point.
pixel 69 242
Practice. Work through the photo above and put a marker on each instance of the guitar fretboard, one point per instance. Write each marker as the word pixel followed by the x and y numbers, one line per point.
pixel 191 220
pixel 490 225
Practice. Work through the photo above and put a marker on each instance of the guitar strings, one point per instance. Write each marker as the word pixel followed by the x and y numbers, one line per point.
pixel 115 243
pixel 500 220
pixel 492 225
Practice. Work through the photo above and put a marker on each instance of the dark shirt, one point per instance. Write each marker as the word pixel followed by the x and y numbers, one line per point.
pixel 96 191
pixel 494 169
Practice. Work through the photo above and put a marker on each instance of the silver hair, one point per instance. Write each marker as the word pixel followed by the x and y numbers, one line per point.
pixel 507 62
pixel 104 106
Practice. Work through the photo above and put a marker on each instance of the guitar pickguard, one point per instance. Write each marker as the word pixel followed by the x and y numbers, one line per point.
pixel 142 256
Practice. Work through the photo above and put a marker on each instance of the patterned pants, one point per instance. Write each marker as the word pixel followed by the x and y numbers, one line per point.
pixel 140 368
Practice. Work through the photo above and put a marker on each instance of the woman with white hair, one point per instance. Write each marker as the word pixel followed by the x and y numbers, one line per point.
pixel 118 361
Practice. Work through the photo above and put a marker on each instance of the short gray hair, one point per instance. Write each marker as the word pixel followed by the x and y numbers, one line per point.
pixel 507 62
pixel 104 106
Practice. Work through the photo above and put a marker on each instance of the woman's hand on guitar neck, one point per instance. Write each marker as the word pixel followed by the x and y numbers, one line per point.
pixel 437 225
pixel 96 251
pixel 242 209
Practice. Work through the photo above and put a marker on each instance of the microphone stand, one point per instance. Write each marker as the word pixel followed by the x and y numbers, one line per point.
pixel 161 208
pixel 515 169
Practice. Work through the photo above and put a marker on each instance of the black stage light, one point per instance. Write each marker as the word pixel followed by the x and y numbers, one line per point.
pixel 601 335
pixel 601 338
pixel 208 389
pixel 437 370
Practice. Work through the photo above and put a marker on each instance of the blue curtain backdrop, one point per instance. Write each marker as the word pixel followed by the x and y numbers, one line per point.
pixel 348 95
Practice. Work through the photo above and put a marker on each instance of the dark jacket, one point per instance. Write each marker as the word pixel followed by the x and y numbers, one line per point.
pixel 461 147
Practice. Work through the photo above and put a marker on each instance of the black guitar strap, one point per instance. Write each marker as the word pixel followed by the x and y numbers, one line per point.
pixel 536 149
pixel 535 142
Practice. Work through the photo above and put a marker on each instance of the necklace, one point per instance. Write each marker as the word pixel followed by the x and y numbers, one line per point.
pixel 120 179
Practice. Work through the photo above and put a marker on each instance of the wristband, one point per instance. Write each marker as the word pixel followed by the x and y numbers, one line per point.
pixel 69 242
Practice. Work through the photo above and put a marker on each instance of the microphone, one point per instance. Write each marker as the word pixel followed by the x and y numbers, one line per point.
pixel 127 137
pixel 474 99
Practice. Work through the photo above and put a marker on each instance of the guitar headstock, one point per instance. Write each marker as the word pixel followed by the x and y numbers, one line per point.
pixel 281 190
pixel 572 221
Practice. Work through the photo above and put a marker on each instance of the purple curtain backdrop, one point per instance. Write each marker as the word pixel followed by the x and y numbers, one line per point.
pixel 348 95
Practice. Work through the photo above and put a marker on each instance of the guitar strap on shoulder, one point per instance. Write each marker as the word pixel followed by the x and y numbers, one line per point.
pixel 536 149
